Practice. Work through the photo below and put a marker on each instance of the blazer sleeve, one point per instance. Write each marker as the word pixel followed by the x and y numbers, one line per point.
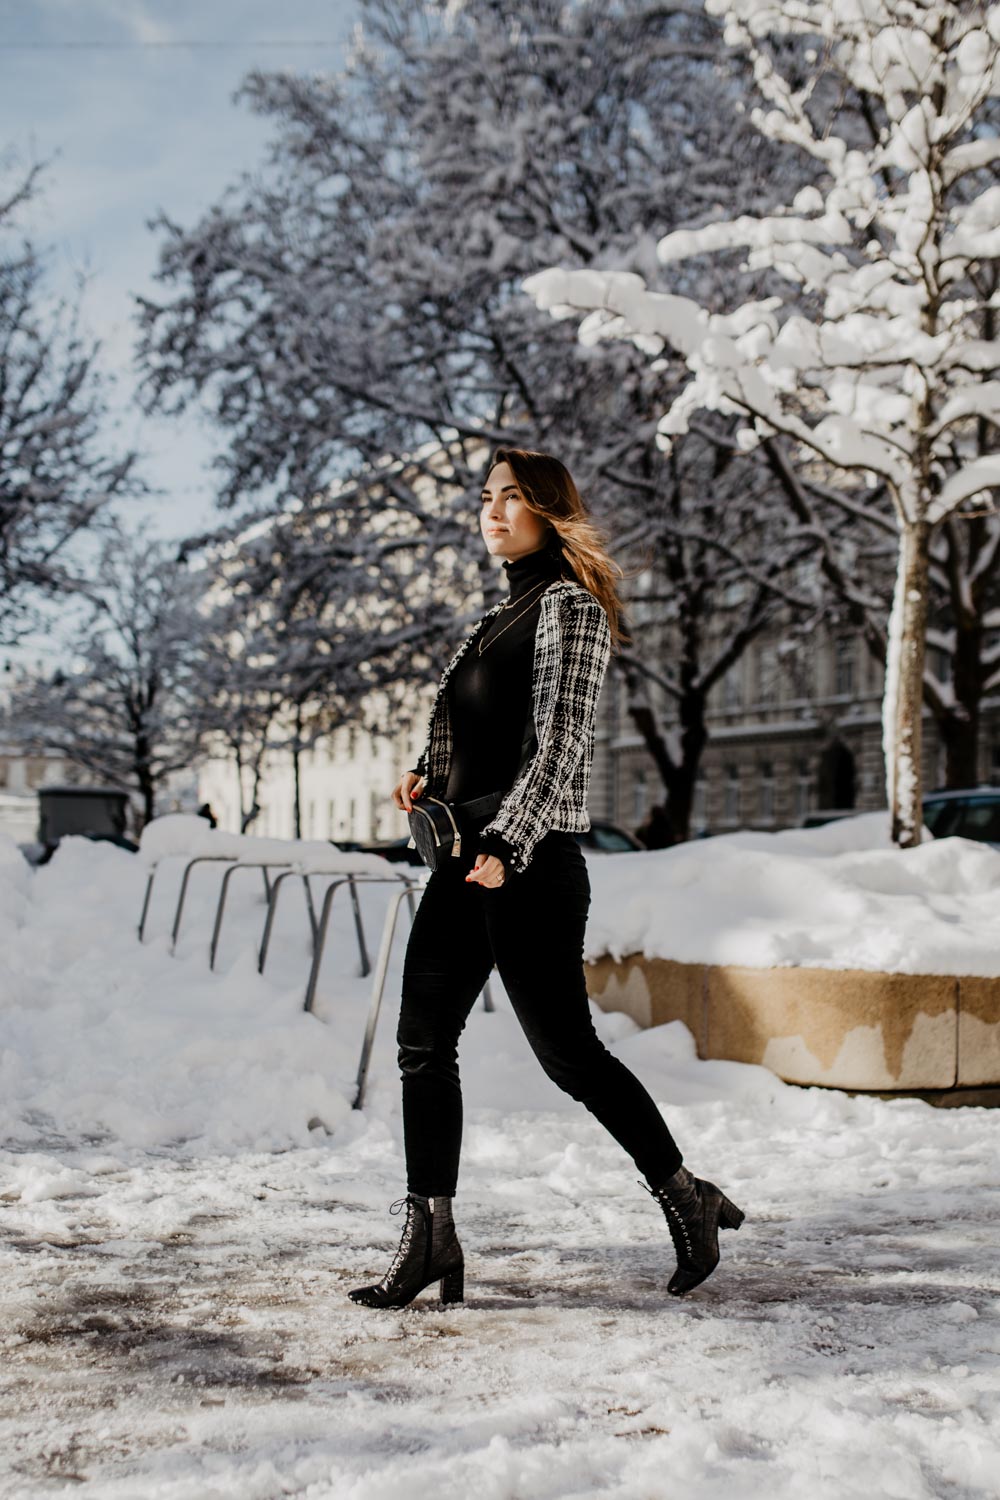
pixel 527 812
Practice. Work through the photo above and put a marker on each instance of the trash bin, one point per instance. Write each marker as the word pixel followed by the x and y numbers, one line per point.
pixel 95 812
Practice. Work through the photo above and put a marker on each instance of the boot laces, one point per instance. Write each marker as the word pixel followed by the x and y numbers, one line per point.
pixel 676 1223
pixel 406 1239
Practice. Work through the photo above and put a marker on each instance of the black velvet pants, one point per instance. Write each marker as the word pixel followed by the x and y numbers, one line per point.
pixel 532 929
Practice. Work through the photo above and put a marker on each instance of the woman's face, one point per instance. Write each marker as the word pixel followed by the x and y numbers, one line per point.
pixel 509 528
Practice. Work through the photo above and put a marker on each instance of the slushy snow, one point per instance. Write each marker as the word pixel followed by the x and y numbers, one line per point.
pixel 186 1196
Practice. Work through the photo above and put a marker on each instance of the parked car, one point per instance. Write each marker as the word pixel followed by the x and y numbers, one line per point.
pixel 394 850
pixel 967 813
pixel 824 815
pixel 607 838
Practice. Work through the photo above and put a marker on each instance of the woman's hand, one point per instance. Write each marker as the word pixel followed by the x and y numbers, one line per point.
pixel 410 785
pixel 488 870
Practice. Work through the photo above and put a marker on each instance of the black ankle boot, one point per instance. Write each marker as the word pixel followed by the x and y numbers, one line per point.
pixel 428 1251
pixel 695 1211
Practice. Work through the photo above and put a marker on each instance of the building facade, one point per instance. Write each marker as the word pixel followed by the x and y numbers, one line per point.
pixel 789 736
pixel 346 783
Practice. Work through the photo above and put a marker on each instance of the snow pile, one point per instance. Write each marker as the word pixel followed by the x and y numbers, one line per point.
pixel 184 834
pixel 841 897
pixel 115 1041
pixel 102 1037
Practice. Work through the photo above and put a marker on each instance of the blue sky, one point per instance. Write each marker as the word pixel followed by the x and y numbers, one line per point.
pixel 130 104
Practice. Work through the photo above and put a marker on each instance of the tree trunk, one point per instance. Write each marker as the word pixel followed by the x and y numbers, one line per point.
pixel 144 777
pixel 904 686
pixel 679 777
pixel 296 768
pixel 239 785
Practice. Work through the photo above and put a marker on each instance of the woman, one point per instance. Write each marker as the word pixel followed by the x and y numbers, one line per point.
pixel 514 716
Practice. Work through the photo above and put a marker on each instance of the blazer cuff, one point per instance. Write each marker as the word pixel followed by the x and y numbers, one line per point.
pixel 495 843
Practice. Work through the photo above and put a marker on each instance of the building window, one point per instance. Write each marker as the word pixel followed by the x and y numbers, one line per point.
pixel 352 830
pixel 732 689
pixel 767 676
pixel 620 702
pixel 939 662
pixel 843 670
pixel 310 819
pixel 803 789
pixel 640 796
pixel 699 804
pixel 766 792
pixel 374 808
pixel 731 805
pixel 995 763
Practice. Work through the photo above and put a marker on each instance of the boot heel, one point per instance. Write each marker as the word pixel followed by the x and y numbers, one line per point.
pixel 730 1217
pixel 453 1285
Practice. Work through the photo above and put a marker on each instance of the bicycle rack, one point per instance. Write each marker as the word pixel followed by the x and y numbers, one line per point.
pixel 220 908
pixel 149 889
pixel 313 923
pixel 324 920
pixel 201 859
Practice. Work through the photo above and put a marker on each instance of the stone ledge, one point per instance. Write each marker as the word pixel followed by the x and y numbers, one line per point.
pixel 845 1028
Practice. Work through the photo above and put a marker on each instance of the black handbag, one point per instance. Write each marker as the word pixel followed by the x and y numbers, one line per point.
pixel 436 825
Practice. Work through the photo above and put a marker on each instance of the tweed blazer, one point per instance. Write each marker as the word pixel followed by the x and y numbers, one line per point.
pixel 572 649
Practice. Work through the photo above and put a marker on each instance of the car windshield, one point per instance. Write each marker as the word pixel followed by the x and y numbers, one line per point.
pixel 610 840
pixel 965 818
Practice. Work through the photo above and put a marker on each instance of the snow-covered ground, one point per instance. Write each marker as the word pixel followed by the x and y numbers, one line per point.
pixel 178 1243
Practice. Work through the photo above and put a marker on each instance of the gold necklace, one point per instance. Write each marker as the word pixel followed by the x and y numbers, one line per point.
pixel 544 584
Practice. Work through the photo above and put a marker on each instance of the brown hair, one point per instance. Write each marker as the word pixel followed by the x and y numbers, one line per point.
pixel 550 493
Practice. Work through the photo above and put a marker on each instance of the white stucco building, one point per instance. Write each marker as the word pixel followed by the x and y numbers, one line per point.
pixel 346 786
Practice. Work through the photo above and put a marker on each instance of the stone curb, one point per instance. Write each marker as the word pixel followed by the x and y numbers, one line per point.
pixel 846 1028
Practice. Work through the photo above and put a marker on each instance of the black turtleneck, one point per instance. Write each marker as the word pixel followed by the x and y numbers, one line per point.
pixel 489 695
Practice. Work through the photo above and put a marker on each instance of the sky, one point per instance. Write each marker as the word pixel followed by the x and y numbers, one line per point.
pixel 130 103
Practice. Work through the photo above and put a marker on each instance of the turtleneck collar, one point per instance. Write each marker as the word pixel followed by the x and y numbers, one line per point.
pixel 527 572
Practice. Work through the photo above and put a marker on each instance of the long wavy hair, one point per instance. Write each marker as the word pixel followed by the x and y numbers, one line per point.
pixel 550 493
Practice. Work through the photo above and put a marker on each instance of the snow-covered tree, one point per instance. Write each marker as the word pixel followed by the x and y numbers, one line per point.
pixel 880 366
pixel 238 710
pixel 56 478
pixel 358 306
pixel 324 616
pixel 128 708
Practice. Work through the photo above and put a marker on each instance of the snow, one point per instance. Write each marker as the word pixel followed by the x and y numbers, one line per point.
pixel 186 1197
pixel 840 896
pixel 194 837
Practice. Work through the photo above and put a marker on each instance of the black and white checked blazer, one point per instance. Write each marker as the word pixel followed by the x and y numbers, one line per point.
pixel 572 649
